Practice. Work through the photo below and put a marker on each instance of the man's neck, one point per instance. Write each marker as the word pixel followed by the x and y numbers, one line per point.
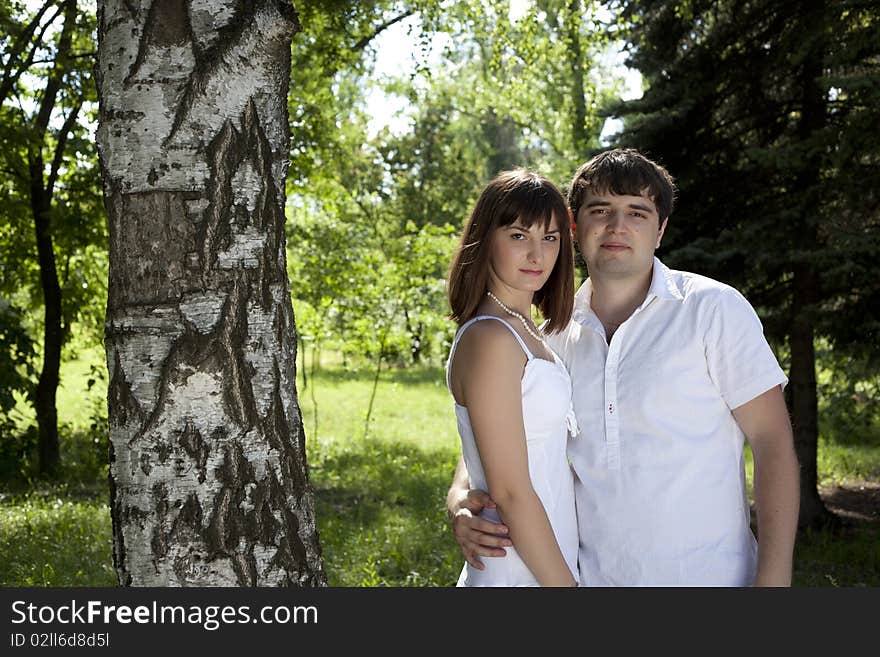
pixel 615 299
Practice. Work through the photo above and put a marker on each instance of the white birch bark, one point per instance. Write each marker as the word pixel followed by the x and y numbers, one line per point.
pixel 209 483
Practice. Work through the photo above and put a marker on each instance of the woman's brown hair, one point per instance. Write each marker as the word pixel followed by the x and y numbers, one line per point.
pixel 511 195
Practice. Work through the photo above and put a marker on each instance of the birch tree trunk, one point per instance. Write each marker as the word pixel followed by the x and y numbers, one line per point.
pixel 209 484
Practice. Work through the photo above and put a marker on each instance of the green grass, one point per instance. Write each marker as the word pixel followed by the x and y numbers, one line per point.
pixel 838 464
pixel 412 406
pixel 379 498
pixel 380 516
pixel 847 558
pixel 55 540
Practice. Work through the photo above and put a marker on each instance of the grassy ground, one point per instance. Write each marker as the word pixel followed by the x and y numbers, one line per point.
pixel 380 496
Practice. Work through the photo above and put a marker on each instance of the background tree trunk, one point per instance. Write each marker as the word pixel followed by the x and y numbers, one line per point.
pixel 209 484
pixel 41 193
pixel 579 132
pixel 806 286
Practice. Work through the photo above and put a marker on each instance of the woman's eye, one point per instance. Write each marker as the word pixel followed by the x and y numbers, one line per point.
pixel 550 238
pixel 517 236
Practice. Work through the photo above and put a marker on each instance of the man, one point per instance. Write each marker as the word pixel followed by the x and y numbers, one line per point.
pixel 670 372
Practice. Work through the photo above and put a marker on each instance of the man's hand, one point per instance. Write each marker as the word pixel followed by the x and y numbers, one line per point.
pixel 477 537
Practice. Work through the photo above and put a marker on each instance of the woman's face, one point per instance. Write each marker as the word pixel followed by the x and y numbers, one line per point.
pixel 521 258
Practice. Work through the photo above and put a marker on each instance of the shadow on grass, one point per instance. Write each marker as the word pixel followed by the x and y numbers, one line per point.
pixel 55 541
pixel 846 557
pixel 381 517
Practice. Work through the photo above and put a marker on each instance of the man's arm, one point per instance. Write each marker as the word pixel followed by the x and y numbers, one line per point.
pixel 476 537
pixel 764 421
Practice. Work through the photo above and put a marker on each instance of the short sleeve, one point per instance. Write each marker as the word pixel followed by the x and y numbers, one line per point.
pixel 740 362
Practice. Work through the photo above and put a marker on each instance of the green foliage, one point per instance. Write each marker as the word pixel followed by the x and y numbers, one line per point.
pixel 849 397
pixel 17 355
pixel 16 359
pixel 374 217
pixel 47 153
pixel 364 295
pixel 329 57
pixel 83 431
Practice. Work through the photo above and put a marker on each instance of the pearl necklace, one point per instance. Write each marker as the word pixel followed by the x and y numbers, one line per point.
pixel 512 312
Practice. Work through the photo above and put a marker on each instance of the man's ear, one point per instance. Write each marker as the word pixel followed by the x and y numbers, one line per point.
pixel 660 233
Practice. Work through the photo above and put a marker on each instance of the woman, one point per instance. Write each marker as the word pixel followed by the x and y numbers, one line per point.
pixel 512 393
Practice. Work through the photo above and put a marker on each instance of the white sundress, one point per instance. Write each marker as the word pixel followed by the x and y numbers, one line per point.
pixel 548 417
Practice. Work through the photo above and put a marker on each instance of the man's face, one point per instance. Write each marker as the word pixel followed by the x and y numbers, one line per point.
pixel 617 235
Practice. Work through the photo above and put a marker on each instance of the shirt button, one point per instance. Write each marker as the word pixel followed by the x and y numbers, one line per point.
pixel 610 409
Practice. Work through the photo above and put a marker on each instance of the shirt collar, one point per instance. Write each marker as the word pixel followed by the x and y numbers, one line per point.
pixel 663 286
pixel 663 283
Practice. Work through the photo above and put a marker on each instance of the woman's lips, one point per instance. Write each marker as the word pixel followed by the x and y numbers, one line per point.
pixel 532 272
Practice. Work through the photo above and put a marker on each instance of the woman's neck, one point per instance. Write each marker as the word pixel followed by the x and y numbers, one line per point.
pixel 505 300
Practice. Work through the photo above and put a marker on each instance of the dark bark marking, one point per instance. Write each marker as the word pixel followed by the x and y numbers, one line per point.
pixel 134 9
pixel 117 514
pixel 163 451
pixel 228 37
pixel 143 274
pixel 185 531
pixel 277 428
pixel 228 524
pixel 187 525
pixel 215 231
pixel 245 568
pixel 167 24
pixel 145 463
pixel 237 390
pixel 124 405
pixel 159 541
pixel 225 527
pixel 227 152
pixel 267 213
pixel 217 351
pixel 197 449
pixel 291 550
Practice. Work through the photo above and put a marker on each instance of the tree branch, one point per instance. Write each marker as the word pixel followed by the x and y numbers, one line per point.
pixel 9 78
pixel 71 56
pixel 53 84
pixel 363 42
pixel 61 143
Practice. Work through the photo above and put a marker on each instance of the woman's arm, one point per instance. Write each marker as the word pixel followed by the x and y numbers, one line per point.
pixel 476 536
pixel 490 376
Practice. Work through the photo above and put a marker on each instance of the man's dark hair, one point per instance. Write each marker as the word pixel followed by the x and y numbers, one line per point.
pixel 623 171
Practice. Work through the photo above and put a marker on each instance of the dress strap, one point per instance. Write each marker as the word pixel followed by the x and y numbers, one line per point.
pixel 529 355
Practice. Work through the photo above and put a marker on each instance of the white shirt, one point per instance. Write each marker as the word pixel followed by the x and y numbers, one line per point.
pixel 660 483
